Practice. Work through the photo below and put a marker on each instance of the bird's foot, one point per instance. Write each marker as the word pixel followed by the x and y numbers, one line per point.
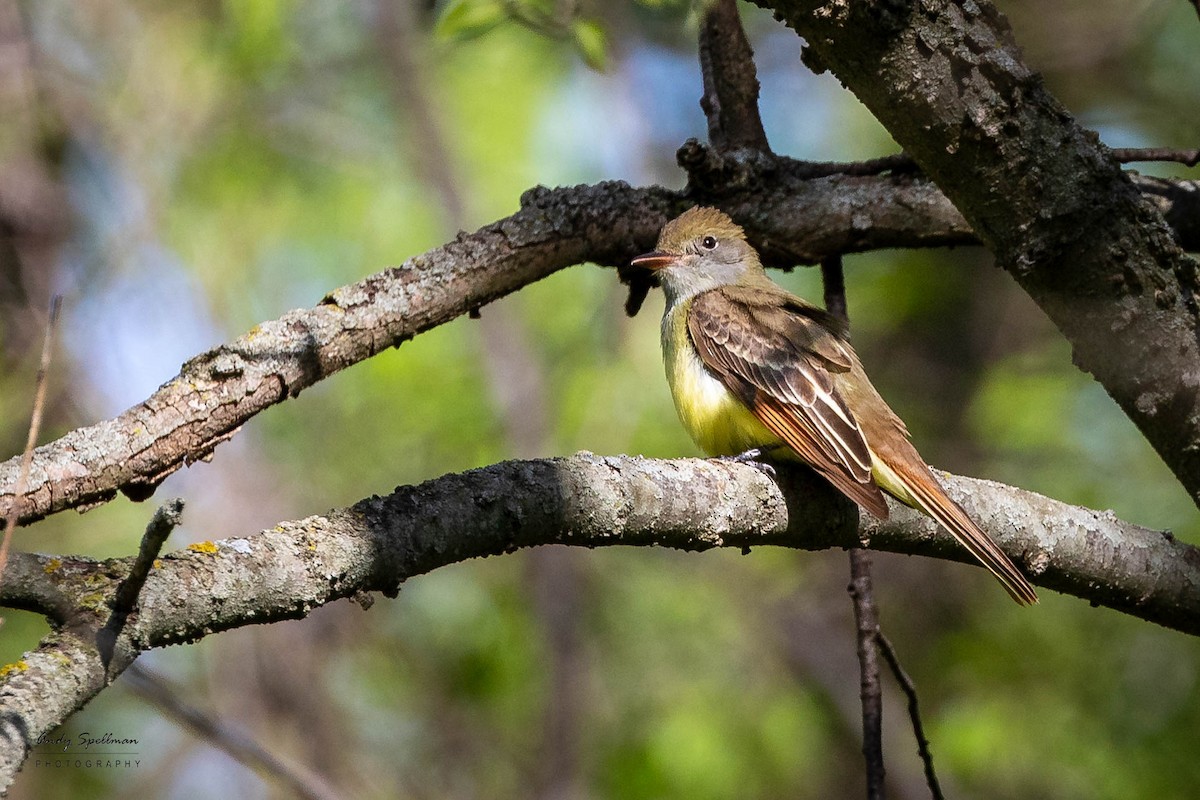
pixel 753 458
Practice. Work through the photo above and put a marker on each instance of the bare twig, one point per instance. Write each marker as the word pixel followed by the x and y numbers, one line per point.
pixel 730 100
pixel 867 626
pixel 862 590
pixel 914 713
pixel 35 425
pixel 902 162
pixel 165 520
pixel 154 689
pixel 1127 155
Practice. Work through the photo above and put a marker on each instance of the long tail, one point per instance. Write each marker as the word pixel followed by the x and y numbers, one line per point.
pixel 922 491
pixel 933 501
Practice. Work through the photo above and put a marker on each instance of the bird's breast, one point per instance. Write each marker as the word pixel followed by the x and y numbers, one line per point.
pixel 716 420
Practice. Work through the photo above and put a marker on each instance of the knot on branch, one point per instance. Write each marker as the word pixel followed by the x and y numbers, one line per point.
pixel 537 197
pixel 719 173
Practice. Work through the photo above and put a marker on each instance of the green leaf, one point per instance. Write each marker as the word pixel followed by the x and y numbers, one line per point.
pixel 591 42
pixel 467 19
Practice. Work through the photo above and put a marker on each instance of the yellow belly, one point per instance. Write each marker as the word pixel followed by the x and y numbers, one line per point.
pixel 715 420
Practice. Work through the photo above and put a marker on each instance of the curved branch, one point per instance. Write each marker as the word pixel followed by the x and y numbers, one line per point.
pixel 794 217
pixel 585 500
pixel 216 392
pixel 1043 194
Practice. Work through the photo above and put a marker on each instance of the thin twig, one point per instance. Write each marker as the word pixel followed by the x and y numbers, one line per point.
pixel 165 520
pixel 1127 155
pixel 35 424
pixel 153 688
pixel 867 624
pixel 730 100
pixel 861 590
pixel 914 713
pixel 902 162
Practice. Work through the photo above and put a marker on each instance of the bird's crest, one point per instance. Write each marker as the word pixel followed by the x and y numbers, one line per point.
pixel 698 221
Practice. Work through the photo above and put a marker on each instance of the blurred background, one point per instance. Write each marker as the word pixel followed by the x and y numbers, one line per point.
pixel 182 171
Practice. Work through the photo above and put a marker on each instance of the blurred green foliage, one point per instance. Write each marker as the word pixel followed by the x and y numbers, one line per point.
pixel 258 148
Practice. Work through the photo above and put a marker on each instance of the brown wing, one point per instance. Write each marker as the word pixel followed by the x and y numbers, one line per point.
pixel 778 359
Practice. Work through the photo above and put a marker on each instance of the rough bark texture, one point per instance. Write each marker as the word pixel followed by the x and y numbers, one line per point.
pixel 730 100
pixel 1041 192
pixel 794 217
pixel 218 391
pixel 1087 241
pixel 585 500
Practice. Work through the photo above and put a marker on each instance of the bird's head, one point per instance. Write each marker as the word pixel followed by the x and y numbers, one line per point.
pixel 700 250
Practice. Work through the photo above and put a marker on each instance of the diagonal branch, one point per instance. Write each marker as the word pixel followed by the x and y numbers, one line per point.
pixel 242 747
pixel 216 392
pixel 914 713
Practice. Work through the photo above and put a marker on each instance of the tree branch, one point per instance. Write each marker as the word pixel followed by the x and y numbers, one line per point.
pixel 866 623
pixel 1043 194
pixel 914 713
pixel 584 500
pixel 794 219
pixel 730 99
pixel 216 392
pixel 862 590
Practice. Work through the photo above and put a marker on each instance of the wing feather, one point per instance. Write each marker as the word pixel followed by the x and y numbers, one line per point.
pixel 779 362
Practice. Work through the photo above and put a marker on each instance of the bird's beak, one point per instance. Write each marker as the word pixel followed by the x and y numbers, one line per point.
pixel 654 261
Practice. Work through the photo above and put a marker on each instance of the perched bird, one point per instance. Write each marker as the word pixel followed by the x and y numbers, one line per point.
pixel 753 367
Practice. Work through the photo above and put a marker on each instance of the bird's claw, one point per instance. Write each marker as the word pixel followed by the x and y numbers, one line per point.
pixel 752 457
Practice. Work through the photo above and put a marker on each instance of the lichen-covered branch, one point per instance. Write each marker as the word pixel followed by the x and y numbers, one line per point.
pixel 1041 192
pixel 584 500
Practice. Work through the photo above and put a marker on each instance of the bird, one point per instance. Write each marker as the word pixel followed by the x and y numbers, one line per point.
pixel 754 369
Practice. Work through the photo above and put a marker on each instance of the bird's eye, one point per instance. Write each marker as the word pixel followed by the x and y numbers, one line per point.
pixel 709 243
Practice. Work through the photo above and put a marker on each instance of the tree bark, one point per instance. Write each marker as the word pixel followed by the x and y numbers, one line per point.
pixel 1041 192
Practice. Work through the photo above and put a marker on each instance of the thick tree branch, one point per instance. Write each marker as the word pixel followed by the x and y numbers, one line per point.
pixel 218 391
pixel 1043 194
pixel 584 500
pixel 792 218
